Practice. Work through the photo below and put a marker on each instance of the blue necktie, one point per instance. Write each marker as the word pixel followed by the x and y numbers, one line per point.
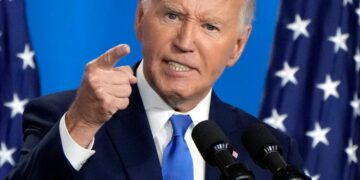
pixel 177 163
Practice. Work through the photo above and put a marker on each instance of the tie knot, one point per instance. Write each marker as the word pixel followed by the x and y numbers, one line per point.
pixel 180 123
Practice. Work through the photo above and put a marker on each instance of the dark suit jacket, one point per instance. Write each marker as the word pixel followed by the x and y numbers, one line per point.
pixel 124 145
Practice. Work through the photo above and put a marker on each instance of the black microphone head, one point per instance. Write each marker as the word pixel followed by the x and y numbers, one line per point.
pixel 264 149
pixel 206 135
pixel 259 142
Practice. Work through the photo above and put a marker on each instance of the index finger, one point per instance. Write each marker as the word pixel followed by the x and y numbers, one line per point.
pixel 112 56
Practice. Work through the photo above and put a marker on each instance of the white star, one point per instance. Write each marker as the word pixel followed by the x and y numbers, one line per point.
pixel 355 104
pixel 287 74
pixel 6 155
pixel 345 2
pixel 351 152
pixel 318 135
pixel 357 59
pixel 339 40
pixel 27 56
pixel 299 27
pixel 329 87
pixel 314 177
pixel 276 120
pixel 16 105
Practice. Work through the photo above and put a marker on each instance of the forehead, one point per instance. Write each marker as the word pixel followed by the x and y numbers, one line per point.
pixel 219 7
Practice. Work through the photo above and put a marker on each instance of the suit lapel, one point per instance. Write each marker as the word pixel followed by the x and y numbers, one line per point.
pixel 130 131
pixel 232 121
pixel 219 113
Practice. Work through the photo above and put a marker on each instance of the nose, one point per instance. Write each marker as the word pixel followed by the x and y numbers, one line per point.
pixel 185 40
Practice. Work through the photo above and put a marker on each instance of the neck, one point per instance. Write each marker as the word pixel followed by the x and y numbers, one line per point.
pixel 182 104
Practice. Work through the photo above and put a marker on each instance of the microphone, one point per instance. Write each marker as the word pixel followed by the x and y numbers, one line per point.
pixel 264 149
pixel 215 148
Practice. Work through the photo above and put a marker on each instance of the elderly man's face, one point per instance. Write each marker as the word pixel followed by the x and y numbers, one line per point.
pixel 187 44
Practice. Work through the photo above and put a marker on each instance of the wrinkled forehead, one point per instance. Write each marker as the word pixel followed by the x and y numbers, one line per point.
pixel 225 7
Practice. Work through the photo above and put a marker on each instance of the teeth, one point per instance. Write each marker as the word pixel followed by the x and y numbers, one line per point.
pixel 178 67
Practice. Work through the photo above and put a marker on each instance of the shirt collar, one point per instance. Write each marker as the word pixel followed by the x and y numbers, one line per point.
pixel 158 112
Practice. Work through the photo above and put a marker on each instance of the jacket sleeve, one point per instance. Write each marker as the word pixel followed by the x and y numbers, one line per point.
pixel 42 156
pixel 294 157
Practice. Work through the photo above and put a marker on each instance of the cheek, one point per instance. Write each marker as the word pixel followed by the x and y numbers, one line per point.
pixel 216 72
pixel 225 53
pixel 215 60
pixel 156 41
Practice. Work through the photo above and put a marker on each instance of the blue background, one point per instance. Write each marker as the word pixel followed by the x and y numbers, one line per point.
pixel 67 34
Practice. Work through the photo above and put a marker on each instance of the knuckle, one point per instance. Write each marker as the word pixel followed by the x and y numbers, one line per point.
pixel 122 73
pixel 90 78
pixel 129 69
pixel 89 67
pixel 106 57
pixel 126 70
pixel 124 91
pixel 122 78
pixel 105 104
pixel 99 93
pixel 125 103
pixel 93 80
pixel 127 90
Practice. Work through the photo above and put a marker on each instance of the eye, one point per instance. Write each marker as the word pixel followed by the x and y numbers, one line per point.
pixel 172 16
pixel 211 27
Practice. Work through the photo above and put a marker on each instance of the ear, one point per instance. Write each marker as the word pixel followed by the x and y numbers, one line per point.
pixel 138 19
pixel 239 46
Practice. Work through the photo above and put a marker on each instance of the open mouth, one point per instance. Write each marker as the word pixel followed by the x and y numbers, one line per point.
pixel 178 67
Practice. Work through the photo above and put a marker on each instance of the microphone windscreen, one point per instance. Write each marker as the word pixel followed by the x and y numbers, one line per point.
pixel 255 138
pixel 206 135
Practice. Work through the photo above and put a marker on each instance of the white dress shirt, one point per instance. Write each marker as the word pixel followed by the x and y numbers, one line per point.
pixel 158 114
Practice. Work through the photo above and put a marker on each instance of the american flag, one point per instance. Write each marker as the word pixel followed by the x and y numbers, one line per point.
pixel 312 88
pixel 18 80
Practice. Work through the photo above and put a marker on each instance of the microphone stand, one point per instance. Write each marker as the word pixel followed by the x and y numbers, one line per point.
pixel 237 172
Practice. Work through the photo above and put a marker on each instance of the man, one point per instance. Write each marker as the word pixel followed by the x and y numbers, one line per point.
pixel 117 125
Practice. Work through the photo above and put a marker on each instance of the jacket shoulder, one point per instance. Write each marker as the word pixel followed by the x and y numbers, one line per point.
pixel 239 120
pixel 244 119
pixel 47 110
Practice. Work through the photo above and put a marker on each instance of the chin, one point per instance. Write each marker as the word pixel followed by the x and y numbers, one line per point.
pixel 175 94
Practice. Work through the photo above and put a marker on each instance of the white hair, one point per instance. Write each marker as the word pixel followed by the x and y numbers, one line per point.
pixel 246 13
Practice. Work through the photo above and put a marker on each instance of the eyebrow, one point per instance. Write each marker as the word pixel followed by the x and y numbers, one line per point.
pixel 168 6
pixel 171 7
pixel 213 19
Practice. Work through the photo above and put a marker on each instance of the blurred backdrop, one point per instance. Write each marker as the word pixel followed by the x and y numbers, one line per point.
pixel 67 34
